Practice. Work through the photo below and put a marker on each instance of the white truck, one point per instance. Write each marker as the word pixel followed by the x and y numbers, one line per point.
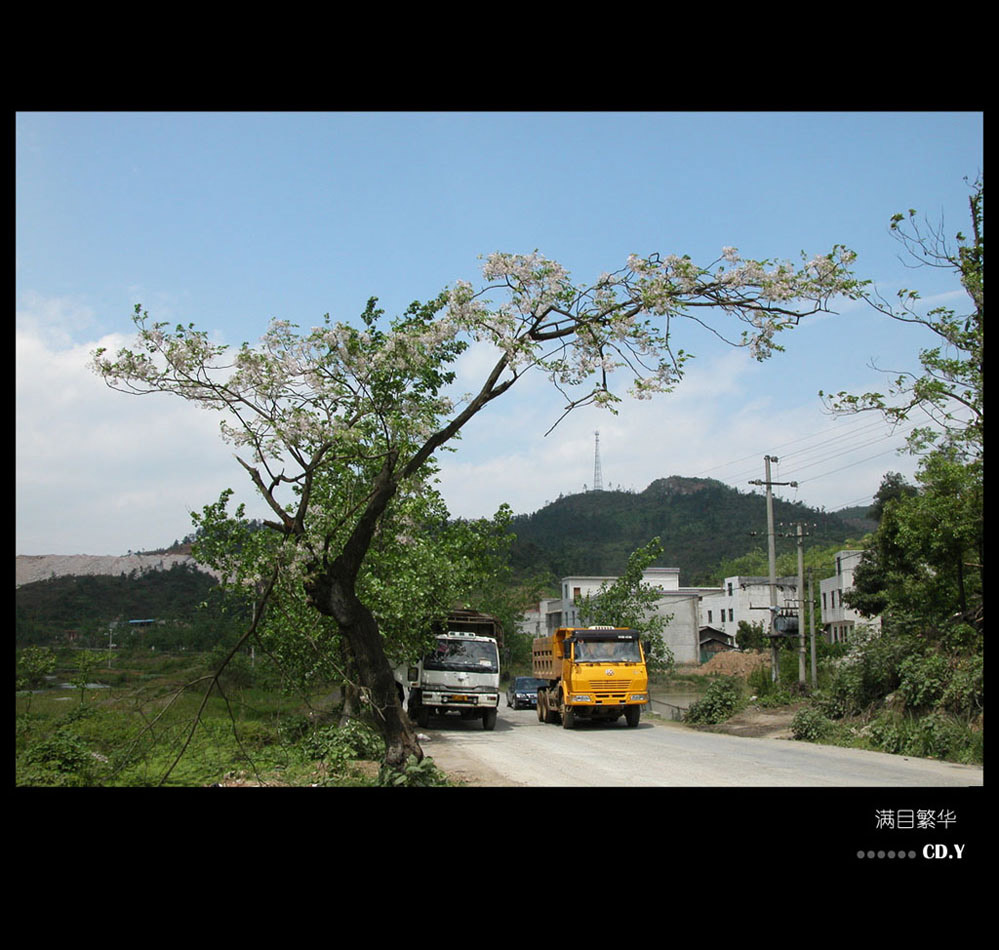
pixel 461 674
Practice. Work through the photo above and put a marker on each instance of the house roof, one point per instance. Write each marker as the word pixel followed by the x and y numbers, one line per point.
pixel 707 634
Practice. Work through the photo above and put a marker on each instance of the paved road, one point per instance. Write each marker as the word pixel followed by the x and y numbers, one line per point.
pixel 522 751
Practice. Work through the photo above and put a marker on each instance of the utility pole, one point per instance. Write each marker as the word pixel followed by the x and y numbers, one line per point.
pixel 801 607
pixel 811 628
pixel 772 550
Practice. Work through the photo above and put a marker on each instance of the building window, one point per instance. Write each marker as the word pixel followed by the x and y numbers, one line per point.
pixel 709 616
pixel 576 591
pixel 824 607
pixel 731 614
pixel 730 589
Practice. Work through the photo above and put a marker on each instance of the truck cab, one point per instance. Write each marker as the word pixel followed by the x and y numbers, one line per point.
pixel 461 674
pixel 592 673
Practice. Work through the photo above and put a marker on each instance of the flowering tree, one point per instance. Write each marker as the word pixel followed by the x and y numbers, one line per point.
pixel 948 390
pixel 365 407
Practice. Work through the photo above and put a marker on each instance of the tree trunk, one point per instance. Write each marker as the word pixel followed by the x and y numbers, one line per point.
pixel 961 593
pixel 335 597
pixel 351 691
pixel 332 590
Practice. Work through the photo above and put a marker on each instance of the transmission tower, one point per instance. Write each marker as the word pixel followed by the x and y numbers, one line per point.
pixel 598 481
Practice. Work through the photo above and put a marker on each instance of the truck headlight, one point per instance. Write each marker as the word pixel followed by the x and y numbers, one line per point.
pixel 638 698
pixel 580 699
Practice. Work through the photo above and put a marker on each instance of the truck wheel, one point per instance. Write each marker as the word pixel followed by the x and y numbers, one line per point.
pixel 422 717
pixel 489 720
pixel 568 718
pixel 632 714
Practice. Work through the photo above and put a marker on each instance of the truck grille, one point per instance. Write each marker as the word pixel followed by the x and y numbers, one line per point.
pixel 615 690
pixel 609 686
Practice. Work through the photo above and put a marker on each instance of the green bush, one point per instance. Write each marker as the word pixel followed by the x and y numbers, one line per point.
pixel 964 694
pixel 59 759
pixel 866 674
pixel 935 735
pixel 831 703
pixel 809 725
pixel 413 774
pixel 338 745
pixel 721 700
pixel 923 679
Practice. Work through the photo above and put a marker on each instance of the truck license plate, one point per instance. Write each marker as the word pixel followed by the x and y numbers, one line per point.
pixel 460 699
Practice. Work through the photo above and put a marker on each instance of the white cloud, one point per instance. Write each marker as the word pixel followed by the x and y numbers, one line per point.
pixel 97 471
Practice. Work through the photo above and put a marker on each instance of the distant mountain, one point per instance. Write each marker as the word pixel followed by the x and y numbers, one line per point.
pixel 858 517
pixel 700 522
pixel 184 601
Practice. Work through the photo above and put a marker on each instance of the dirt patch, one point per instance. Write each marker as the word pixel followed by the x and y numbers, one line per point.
pixel 758 723
pixel 733 663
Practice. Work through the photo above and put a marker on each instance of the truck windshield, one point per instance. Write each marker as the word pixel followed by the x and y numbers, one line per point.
pixel 471 656
pixel 607 651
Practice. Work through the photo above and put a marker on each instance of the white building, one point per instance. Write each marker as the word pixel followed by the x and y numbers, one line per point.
pixel 747 599
pixel 838 620
pixel 681 604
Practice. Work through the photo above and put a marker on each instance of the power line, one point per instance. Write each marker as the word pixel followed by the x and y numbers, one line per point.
pixel 839 454
pixel 843 468
pixel 803 438
pixel 853 504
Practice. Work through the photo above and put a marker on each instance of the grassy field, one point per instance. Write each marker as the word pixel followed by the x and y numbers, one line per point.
pixel 146 721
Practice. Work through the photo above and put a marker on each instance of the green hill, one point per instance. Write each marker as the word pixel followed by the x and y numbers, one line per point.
pixel 700 522
pixel 184 603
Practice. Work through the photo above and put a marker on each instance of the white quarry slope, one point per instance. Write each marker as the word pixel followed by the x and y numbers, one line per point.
pixel 40 567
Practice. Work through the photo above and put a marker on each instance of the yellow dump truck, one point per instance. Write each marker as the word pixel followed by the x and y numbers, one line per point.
pixel 592 673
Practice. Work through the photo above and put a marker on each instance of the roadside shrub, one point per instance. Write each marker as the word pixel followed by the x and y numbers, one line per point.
pixel 888 734
pixel 831 704
pixel 964 694
pixel 867 673
pixel 809 725
pixel 922 679
pixel 935 735
pixel 338 745
pixel 413 775
pixel 721 700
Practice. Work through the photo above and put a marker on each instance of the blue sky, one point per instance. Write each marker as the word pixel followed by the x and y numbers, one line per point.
pixel 229 219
